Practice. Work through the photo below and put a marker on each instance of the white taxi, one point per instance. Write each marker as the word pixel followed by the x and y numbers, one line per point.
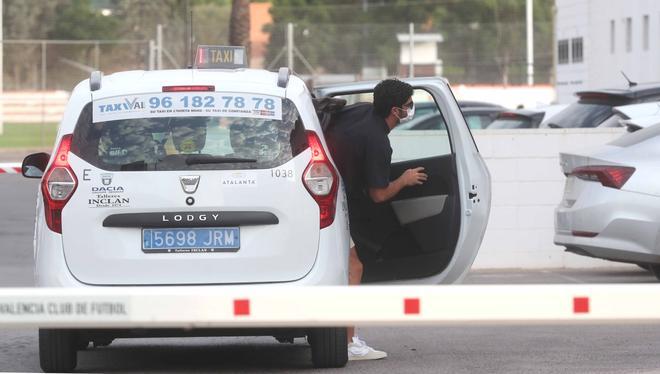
pixel 219 175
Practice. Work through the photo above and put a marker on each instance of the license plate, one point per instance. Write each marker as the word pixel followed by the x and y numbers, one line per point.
pixel 215 239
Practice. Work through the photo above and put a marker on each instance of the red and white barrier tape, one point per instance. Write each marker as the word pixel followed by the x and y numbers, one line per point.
pixel 247 306
pixel 10 168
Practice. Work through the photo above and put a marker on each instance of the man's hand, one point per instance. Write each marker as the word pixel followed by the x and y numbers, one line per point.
pixel 414 177
pixel 411 177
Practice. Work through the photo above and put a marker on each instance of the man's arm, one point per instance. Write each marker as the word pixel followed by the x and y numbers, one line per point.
pixel 410 177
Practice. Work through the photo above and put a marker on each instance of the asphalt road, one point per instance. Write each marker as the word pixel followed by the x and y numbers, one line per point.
pixel 456 349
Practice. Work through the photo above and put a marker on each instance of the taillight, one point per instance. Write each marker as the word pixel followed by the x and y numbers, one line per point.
pixel 58 184
pixel 321 180
pixel 608 176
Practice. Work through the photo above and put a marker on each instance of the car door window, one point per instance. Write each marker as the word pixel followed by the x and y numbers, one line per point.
pixel 422 137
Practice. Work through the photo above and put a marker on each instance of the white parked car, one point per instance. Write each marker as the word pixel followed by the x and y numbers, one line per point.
pixel 638 116
pixel 220 176
pixel 611 203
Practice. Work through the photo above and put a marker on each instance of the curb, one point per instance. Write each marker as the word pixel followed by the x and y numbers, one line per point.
pixel 10 168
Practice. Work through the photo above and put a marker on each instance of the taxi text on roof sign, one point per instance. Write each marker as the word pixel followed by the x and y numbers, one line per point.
pixel 220 57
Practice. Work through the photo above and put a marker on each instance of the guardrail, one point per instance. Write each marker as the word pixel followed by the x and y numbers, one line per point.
pixel 282 306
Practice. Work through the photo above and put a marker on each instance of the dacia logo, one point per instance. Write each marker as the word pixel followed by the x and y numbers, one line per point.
pixel 106 179
pixel 189 183
pixel 118 107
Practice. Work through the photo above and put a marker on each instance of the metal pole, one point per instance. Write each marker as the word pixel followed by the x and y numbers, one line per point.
pixel 530 42
pixel 411 46
pixel 159 47
pixel 152 54
pixel 289 45
pixel 97 56
pixel 43 91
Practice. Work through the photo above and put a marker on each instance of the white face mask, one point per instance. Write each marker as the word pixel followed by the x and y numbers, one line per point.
pixel 410 113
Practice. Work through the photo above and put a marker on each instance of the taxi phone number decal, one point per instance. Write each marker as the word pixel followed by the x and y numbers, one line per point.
pixel 215 104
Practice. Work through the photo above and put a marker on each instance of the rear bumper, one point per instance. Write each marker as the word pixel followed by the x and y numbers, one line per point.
pixel 627 225
pixel 330 267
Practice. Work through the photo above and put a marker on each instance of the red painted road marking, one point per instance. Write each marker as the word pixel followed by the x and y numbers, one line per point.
pixel 580 305
pixel 241 307
pixel 411 306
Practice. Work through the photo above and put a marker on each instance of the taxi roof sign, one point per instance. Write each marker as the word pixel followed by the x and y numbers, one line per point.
pixel 220 57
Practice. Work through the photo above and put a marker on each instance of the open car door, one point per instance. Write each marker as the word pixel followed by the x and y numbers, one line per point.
pixel 433 230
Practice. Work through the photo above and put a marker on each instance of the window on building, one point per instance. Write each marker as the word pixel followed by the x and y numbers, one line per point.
pixel 612 36
pixel 628 34
pixel 576 50
pixel 645 33
pixel 562 51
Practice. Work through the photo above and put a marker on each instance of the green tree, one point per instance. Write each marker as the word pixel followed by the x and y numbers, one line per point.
pixel 345 35
pixel 76 19
pixel 141 17
pixel 484 40
pixel 25 19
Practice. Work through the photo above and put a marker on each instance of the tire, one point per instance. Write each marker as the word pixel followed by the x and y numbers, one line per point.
pixel 329 347
pixel 57 350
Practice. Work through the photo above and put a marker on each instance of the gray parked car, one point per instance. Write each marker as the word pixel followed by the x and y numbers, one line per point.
pixel 611 203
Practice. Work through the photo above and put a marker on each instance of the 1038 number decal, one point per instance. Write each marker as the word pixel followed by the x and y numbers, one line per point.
pixel 281 173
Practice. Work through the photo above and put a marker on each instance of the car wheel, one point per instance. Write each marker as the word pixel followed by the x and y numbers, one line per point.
pixel 57 350
pixel 329 347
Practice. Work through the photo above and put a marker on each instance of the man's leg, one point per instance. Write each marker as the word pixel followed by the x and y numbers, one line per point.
pixel 354 278
pixel 357 348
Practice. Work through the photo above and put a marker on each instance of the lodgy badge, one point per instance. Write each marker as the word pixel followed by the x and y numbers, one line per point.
pixel 191 217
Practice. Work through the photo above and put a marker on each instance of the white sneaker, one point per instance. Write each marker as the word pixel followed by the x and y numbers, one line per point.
pixel 359 350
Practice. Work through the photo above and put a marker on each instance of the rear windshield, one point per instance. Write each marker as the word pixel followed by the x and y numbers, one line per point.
pixel 581 114
pixel 189 143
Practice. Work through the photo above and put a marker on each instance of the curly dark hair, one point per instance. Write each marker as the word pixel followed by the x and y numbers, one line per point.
pixel 390 93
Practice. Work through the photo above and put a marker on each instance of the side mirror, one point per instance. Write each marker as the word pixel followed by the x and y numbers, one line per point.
pixel 34 165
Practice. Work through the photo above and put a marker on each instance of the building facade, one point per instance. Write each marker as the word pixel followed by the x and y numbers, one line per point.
pixel 595 40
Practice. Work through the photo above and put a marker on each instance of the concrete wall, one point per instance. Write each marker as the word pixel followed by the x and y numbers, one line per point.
pixel 527 184
pixel 33 107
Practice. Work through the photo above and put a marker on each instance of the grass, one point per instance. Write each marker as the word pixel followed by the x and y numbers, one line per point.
pixel 28 135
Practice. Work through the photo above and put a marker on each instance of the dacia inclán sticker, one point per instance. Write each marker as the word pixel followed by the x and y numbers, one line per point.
pixel 107 195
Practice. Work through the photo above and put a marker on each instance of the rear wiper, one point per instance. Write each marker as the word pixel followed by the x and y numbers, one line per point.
pixel 206 159
pixel 554 126
pixel 134 166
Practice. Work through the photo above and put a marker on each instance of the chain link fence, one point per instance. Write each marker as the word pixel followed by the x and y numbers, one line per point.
pixel 463 53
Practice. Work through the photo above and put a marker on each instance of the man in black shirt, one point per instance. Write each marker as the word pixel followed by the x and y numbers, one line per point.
pixel 361 150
